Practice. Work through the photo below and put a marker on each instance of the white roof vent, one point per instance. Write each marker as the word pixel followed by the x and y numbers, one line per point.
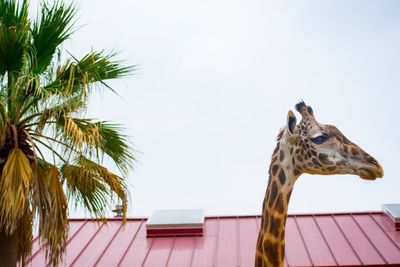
pixel 393 212
pixel 175 223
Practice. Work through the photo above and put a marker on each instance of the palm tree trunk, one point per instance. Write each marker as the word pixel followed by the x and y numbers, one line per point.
pixel 8 249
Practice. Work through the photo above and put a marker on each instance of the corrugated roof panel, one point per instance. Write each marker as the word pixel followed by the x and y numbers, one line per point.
pixel 319 251
pixel 227 250
pixel 381 242
pixel 248 232
pixel 136 252
pixel 99 243
pixel 296 252
pixel 357 239
pixel 80 241
pixel 38 258
pixel 182 252
pixel 211 227
pixel 204 251
pixel 332 239
pixel 160 252
pixel 387 227
pixel 340 247
pixel 119 244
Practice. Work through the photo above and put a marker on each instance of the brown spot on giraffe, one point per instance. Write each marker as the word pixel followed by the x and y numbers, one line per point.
pixel 324 159
pixel 274 169
pixel 316 162
pixel 354 152
pixel 272 196
pixel 296 172
pixel 280 206
pixel 270 249
pixel 259 261
pixel 281 155
pixel 282 176
pixel 275 226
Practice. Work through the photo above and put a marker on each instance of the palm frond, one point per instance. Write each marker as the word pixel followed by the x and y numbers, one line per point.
pixel 115 183
pixel 3 122
pixel 14 189
pixel 84 188
pixel 25 236
pixel 54 225
pixel 97 138
pixel 115 144
pixel 78 76
pixel 90 185
pixel 50 30
pixel 14 35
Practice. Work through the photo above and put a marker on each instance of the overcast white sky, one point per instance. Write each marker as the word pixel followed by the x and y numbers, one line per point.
pixel 215 82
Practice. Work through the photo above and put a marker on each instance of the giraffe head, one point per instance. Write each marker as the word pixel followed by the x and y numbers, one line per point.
pixel 322 149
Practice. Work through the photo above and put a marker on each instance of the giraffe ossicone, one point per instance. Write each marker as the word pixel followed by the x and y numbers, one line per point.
pixel 308 147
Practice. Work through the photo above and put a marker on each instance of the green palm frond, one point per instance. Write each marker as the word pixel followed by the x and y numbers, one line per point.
pixel 85 188
pixel 93 138
pixel 77 76
pixel 91 185
pixel 116 145
pixel 51 29
pixel 14 35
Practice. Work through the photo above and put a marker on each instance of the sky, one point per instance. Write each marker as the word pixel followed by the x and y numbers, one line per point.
pixel 215 80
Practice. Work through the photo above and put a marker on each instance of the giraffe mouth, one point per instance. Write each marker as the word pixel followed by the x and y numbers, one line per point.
pixel 371 173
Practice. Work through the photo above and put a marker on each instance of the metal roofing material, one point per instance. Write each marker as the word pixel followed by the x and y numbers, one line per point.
pixel 348 239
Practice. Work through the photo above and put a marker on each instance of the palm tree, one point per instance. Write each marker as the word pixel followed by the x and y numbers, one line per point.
pixel 50 155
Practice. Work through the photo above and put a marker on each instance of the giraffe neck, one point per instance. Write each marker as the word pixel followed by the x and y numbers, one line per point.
pixel 271 239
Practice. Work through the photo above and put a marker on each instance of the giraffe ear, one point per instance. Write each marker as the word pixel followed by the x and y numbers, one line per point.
pixel 290 122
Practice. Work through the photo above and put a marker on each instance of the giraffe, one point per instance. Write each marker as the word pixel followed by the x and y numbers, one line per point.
pixel 308 147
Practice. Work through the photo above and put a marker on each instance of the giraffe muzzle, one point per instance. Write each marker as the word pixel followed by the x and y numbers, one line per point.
pixel 372 171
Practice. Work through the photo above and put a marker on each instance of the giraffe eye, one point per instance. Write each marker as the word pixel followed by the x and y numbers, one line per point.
pixel 319 139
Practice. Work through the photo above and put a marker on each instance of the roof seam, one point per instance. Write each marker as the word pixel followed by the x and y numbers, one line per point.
pixel 385 232
pixel 193 251
pixel 238 256
pixel 147 253
pixel 69 240
pixel 216 244
pixel 370 241
pixel 304 242
pixel 130 243
pixel 348 241
pixel 108 245
pixel 325 240
pixel 86 246
pixel 170 251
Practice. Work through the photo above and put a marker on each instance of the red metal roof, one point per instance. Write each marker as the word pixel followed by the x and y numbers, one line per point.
pixel 349 239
